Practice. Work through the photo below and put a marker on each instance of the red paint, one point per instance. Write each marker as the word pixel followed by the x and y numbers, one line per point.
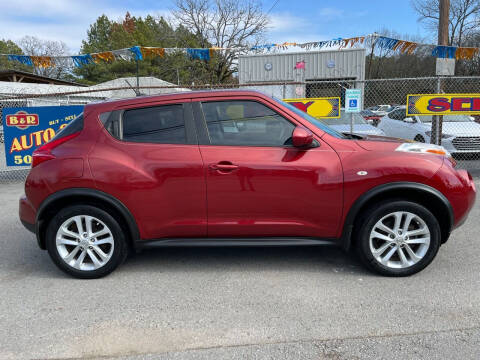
pixel 302 106
pixel 44 152
pixel 302 138
pixel 457 104
pixel 235 191
pixel 438 104
pixel 475 104
pixel 300 65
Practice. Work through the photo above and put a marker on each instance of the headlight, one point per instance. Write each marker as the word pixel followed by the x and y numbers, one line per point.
pixel 423 148
pixel 444 136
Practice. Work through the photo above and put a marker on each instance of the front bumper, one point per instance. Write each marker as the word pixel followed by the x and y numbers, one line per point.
pixel 468 192
pixel 461 145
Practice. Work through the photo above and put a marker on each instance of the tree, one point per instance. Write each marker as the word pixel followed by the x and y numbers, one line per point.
pixel 469 67
pixel 224 24
pixel 464 17
pixel 386 63
pixel 9 47
pixel 34 46
pixel 106 34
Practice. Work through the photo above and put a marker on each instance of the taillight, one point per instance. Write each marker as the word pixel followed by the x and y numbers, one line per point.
pixel 43 153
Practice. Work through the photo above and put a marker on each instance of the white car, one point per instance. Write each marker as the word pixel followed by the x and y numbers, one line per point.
pixel 381 110
pixel 460 133
pixel 360 125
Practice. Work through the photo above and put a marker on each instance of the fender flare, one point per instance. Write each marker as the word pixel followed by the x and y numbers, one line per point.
pixel 401 185
pixel 91 193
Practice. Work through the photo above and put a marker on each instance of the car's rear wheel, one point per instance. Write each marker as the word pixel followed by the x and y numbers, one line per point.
pixel 85 241
pixel 398 238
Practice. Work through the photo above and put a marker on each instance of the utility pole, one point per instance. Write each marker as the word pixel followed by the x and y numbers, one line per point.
pixel 374 41
pixel 443 22
pixel 138 82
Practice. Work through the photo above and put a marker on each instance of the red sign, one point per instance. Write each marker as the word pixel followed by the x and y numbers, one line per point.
pixel 22 120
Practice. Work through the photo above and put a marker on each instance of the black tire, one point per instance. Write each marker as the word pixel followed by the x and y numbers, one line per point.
pixel 120 248
pixel 419 138
pixel 372 215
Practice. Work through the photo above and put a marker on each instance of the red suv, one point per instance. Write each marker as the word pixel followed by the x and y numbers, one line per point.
pixel 235 168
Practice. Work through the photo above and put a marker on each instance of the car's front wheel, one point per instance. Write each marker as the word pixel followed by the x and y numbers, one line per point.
pixel 85 241
pixel 398 238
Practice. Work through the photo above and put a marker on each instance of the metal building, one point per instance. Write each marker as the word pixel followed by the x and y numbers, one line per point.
pixel 330 67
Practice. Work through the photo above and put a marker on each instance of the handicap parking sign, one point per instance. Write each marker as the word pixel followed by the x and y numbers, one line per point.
pixel 353 100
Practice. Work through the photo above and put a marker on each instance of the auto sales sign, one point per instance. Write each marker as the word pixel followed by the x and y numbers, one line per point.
pixel 443 104
pixel 26 128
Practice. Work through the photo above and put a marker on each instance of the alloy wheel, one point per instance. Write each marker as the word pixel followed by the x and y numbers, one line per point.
pixel 84 243
pixel 399 240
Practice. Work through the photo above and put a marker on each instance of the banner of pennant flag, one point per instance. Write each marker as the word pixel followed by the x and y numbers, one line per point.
pixel 141 52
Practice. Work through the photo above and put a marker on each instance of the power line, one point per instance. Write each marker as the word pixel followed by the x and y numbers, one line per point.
pixel 274 4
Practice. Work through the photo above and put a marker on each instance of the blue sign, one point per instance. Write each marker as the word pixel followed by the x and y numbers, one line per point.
pixel 353 100
pixel 26 128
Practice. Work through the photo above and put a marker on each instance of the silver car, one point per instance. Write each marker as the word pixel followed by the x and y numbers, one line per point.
pixel 360 125
pixel 460 133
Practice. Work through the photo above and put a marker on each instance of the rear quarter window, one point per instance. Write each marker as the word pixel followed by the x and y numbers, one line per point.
pixel 163 124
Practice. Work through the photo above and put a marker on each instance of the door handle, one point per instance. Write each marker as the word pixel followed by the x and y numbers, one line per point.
pixel 223 166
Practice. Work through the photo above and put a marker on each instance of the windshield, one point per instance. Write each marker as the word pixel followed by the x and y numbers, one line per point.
pixel 345 120
pixel 384 108
pixel 318 123
pixel 447 118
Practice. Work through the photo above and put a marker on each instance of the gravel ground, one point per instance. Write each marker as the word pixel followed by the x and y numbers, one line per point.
pixel 240 303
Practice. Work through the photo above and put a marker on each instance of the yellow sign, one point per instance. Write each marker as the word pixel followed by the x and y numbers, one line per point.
pixel 318 107
pixel 443 104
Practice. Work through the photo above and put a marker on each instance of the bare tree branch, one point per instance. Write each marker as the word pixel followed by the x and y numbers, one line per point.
pixel 224 24
pixel 464 17
pixel 34 46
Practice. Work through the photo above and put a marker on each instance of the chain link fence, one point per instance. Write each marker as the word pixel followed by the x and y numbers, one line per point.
pixel 384 102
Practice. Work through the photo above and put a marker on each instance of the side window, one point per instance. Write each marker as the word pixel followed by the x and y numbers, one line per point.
pixel 160 124
pixel 245 123
pixel 398 114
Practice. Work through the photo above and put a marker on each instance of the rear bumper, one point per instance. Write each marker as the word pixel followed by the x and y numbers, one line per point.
pixel 27 216
pixel 28 226
pixel 26 211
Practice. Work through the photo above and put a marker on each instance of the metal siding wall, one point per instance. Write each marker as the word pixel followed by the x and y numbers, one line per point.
pixel 348 63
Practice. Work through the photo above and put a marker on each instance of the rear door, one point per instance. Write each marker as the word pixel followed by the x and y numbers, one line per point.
pixel 258 184
pixel 151 161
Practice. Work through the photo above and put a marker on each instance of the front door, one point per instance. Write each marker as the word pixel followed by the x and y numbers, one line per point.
pixel 258 184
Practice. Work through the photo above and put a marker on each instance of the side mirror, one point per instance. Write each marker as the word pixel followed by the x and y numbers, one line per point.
pixel 409 120
pixel 302 138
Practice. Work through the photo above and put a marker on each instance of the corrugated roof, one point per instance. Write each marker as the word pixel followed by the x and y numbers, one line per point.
pixel 27 77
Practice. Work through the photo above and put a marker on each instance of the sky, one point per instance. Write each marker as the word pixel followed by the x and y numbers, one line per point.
pixel 291 21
